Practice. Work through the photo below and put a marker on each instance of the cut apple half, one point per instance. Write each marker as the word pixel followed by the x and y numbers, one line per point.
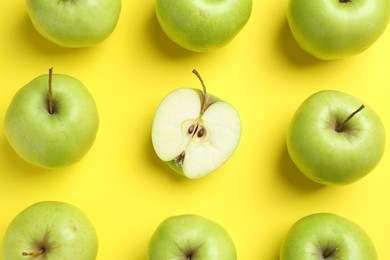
pixel 195 133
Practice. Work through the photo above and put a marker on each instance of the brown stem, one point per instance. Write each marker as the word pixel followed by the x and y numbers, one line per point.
pixel 340 127
pixel 34 254
pixel 50 93
pixel 203 108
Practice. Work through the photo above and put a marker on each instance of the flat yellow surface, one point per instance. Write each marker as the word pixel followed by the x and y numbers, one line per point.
pixel 121 184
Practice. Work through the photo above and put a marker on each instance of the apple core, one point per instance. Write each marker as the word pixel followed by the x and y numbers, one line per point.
pixel 196 129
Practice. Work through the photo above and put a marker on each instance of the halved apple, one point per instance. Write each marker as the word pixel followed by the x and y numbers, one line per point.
pixel 194 132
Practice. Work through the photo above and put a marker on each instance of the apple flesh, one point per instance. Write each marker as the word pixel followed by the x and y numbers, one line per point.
pixel 326 236
pixel 50 230
pixel 191 237
pixel 195 133
pixel 52 127
pixel 202 26
pixel 334 140
pixel 74 23
pixel 337 29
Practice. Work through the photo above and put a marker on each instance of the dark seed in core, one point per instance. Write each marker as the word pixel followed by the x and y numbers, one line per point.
pixel 201 132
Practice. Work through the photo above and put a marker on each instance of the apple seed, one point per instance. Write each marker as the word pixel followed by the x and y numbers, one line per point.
pixel 196 129
pixel 201 132
pixel 191 129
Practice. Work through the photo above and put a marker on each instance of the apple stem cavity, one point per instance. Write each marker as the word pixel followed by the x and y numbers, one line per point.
pixel 50 92
pixel 340 127
pixel 329 252
pixel 190 254
pixel 345 1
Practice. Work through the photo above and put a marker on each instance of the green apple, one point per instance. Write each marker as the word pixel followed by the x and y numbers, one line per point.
pixel 50 230
pixel 194 132
pixel 74 23
pixel 334 138
pixel 337 29
pixel 190 237
pixel 326 236
pixel 52 121
pixel 202 25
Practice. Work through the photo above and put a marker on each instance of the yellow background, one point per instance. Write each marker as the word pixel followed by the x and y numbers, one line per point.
pixel 121 184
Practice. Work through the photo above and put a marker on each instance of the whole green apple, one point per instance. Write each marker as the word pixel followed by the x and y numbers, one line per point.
pixel 50 230
pixel 52 121
pixel 337 29
pixel 191 237
pixel 74 23
pixel 334 138
pixel 202 25
pixel 194 132
pixel 326 236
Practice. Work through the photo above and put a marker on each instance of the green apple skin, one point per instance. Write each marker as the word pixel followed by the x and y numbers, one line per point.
pixel 327 236
pixel 204 25
pixel 330 157
pixel 74 23
pixel 50 230
pixel 337 29
pixel 190 237
pixel 52 140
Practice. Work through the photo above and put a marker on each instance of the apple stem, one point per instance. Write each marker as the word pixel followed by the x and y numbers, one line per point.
pixel 34 254
pixel 203 108
pixel 340 127
pixel 50 93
